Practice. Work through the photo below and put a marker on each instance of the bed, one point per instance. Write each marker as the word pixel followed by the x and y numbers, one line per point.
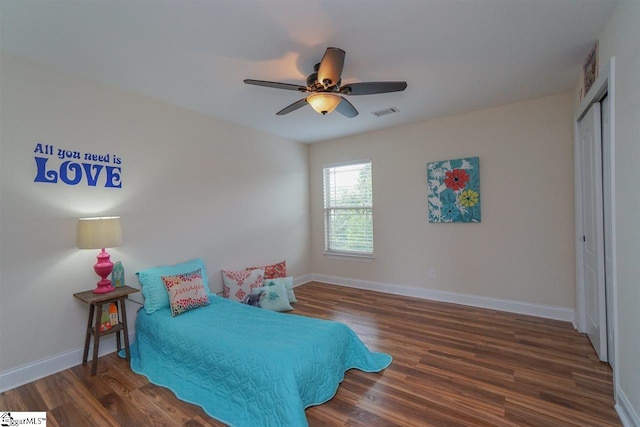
pixel 246 366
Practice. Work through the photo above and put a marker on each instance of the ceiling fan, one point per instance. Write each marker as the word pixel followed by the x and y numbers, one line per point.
pixel 324 86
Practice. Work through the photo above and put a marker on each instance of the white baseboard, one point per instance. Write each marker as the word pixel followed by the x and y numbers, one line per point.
pixel 546 311
pixel 297 281
pixel 24 374
pixel 628 415
pixel 33 371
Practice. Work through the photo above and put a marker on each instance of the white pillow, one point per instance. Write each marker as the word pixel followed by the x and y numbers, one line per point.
pixel 238 284
pixel 274 298
pixel 288 284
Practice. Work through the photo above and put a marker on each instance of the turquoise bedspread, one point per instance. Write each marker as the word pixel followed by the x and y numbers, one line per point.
pixel 246 366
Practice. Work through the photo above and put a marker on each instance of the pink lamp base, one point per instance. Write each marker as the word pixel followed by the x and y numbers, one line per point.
pixel 103 268
pixel 104 288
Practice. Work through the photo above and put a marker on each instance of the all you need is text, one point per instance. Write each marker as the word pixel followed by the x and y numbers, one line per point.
pixel 73 167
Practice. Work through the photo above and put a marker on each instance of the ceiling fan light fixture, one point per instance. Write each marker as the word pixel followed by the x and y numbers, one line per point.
pixel 325 88
pixel 323 103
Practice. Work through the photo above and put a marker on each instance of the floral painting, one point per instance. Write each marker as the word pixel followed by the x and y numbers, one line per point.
pixel 454 190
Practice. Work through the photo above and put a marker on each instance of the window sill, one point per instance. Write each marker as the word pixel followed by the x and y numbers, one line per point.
pixel 350 256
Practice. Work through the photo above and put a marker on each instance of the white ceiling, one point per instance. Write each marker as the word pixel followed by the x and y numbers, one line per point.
pixel 455 55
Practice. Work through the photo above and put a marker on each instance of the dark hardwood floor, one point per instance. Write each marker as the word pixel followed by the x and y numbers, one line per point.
pixel 453 366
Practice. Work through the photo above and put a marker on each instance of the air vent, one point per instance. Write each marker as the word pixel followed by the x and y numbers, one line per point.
pixel 386 111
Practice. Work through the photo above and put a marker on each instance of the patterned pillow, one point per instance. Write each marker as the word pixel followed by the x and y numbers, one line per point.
pixel 274 270
pixel 237 284
pixel 186 292
pixel 274 298
pixel 288 284
pixel 153 288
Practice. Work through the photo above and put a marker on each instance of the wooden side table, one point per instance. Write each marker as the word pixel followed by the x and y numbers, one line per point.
pixel 96 301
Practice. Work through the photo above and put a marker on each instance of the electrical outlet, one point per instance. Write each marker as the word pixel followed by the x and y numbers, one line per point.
pixel 432 273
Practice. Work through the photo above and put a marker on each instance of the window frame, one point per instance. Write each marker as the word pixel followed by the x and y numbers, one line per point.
pixel 327 210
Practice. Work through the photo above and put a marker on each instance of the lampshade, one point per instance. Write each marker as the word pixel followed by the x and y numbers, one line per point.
pixel 323 103
pixel 99 233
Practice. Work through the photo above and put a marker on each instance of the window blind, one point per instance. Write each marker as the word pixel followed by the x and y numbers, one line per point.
pixel 348 208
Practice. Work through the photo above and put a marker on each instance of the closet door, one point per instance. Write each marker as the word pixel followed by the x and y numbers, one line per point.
pixel 593 229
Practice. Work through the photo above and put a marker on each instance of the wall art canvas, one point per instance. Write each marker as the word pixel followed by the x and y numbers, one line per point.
pixel 454 190
pixel 590 69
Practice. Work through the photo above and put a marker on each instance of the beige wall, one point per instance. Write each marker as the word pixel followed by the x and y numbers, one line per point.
pixel 523 248
pixel 191 186
pixel 621 39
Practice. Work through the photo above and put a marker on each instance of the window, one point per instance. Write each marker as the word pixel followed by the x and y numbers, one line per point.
pixel 348 209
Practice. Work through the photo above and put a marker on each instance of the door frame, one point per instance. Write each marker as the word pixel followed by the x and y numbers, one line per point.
pixel 604 85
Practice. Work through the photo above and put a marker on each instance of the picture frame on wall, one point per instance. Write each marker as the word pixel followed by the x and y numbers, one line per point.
pixel 590 69
pixel 454 190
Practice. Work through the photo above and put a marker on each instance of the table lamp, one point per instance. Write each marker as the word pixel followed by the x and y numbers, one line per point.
pixel 101 233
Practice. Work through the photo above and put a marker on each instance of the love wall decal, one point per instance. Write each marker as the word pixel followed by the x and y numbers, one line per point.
pixel 73 167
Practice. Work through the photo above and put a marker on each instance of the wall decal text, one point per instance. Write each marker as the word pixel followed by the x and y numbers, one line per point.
pixel 73 167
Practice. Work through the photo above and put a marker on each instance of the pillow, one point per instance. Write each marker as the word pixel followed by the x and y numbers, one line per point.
pixel 288 284
pixel 186 292
pixel 274 298
pixel 274 270
pixel 237 284
pixel 153 288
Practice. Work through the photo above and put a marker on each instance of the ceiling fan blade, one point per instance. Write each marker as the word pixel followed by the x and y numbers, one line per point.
pixel 370 88
pixel 330 68
pixel 276 85
pixel 293 107
pixel 346 108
